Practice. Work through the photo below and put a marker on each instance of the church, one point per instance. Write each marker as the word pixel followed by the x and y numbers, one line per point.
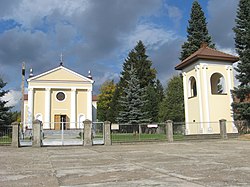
pixel 60 98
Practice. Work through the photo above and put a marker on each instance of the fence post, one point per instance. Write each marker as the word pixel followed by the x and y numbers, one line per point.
pixel 88 141
pixel 15 134
pixel 107 133
pixel 37 139
pixel 223 129
pixel 170 131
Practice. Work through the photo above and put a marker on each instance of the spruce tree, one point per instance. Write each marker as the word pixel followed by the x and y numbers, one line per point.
pixel 4 110
pixel 242 44
pixel 147 78
pixel 197 32
pixel 133 101
pixel 142 65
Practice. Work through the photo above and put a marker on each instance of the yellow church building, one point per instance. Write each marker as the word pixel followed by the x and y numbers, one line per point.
pixel 207 82
pixel 59 96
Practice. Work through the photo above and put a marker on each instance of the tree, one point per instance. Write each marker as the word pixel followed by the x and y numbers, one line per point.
pixel 172 106
pixel 242 44
pixel 197 32
pixel 146 76
pixel 133 101
pixel 104 100
pixel 142 65
pixel 4 110
pixel 113 113
pixel 154 96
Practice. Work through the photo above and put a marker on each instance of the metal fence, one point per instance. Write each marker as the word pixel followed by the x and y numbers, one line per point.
pixel 138 133
pixel 5 135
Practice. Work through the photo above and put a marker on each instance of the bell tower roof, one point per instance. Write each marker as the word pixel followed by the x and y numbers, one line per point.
pixel 206 53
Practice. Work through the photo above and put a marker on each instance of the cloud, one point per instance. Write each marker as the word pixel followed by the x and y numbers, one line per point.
pixel 221 21
pixel 166 58
pixel 174 13
pixel 14 98
pixel 30 13
pixel 152 36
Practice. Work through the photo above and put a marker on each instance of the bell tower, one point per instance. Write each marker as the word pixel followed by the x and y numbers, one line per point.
pixel 207 82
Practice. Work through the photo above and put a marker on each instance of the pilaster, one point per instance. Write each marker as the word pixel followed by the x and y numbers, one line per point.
pixel 30 106
pixel 73 108
pixel 46 124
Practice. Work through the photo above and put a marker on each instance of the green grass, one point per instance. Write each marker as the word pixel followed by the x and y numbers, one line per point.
pixel 130 137
pixel 5 140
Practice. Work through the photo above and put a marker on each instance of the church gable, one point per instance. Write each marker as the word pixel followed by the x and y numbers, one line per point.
pixel 61 74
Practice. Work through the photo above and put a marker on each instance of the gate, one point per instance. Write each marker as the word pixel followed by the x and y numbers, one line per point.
pixel 63 135
pixel 98 133
pixel 25 135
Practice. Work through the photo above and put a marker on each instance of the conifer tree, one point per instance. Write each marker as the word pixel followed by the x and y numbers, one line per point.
pixel 242 44
pixel 142 65
pixel 197 32
pixel 146 76
pixel 133 101
pixel 4 110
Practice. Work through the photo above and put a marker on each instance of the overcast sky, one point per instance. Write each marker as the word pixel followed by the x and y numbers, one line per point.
pixel 97 35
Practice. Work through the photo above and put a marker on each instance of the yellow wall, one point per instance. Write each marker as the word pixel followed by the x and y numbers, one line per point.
pixel 60 74
pixel 60 107
pixel 39 107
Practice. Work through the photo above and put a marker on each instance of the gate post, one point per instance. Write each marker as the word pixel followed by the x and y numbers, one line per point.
pixel 37 139
pixel 88 141
pixel 15 134
pixel 169 127
pixel 107 133
pixel 223 129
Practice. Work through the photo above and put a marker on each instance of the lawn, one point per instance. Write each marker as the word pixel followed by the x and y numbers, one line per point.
pixel 5 140
pixel 130 137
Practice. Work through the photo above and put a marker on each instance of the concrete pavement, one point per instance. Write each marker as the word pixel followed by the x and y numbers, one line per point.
pixel 193 163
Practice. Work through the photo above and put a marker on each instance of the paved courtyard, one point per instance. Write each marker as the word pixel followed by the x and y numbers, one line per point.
pixel 206 163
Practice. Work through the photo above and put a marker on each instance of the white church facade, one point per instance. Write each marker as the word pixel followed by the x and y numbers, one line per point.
pixel 207 82
pixel 60 98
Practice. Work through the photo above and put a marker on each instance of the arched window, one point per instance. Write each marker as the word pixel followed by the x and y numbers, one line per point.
pixel 192 87
pixel 217 84
pixel 81 120
pixel 39 117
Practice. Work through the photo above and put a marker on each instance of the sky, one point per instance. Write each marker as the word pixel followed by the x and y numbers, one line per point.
pixel 97 35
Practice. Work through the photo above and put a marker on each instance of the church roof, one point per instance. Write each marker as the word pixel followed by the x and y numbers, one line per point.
pixel 206 53
pixel 61 67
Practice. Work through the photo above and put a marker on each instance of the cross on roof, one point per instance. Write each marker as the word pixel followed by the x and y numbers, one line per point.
pixel 61 59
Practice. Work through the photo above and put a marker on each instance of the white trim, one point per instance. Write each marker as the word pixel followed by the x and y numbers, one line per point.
pixel 62 87
pixel 64 95
pixel 197 69
pixel 47 108
pixel 30 106
pixel 205 67
pixel 184 77
pixel 58 68
pixel 73 108
pixel 61 81
pixel 230 87
pixel 89 105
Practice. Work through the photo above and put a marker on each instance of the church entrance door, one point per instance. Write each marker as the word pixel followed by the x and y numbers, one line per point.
pixel 60 122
